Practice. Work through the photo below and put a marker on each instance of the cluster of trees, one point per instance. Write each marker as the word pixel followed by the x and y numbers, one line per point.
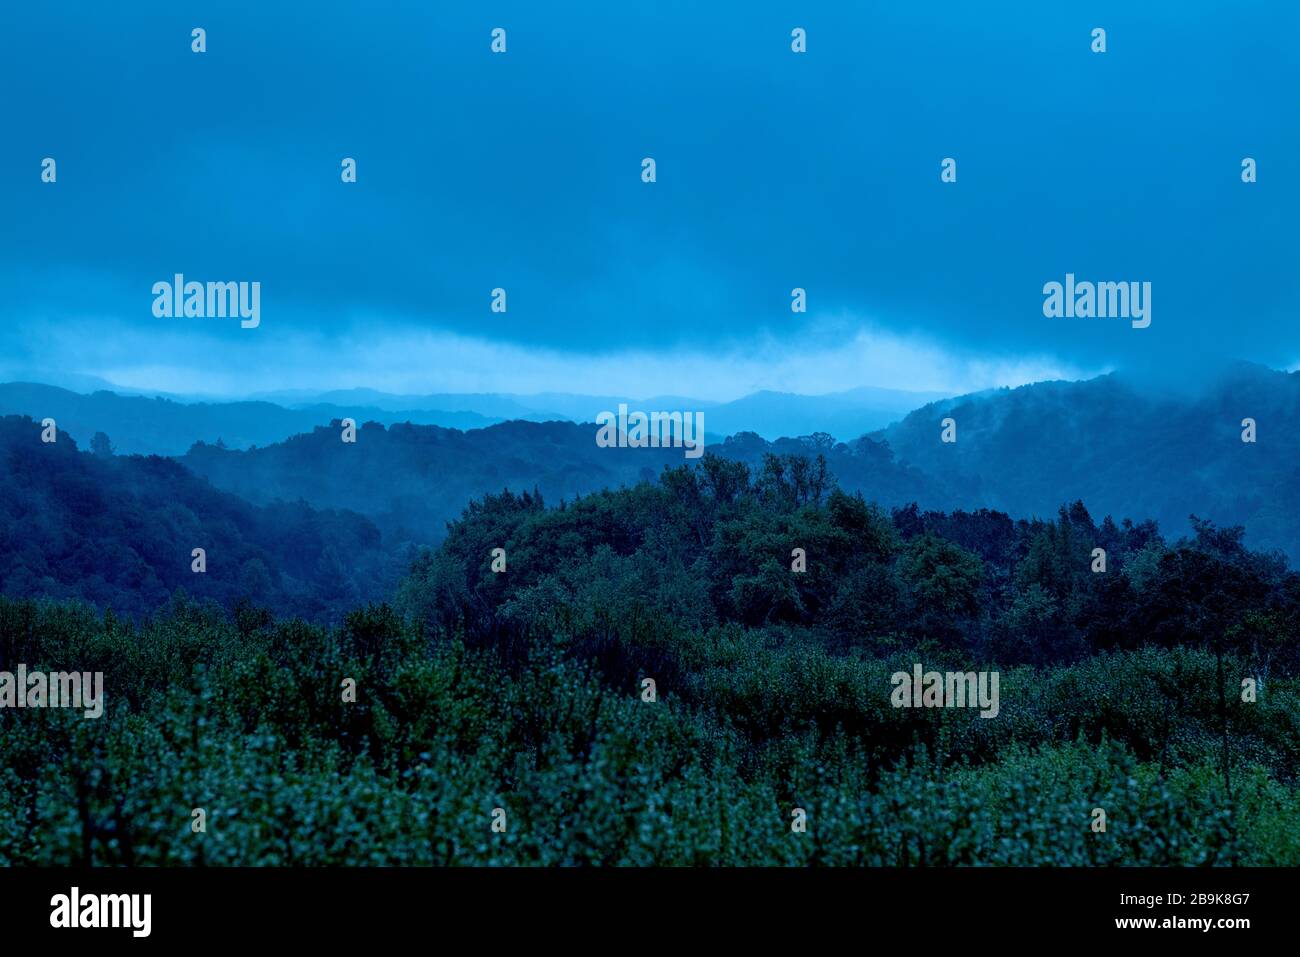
pixel 523 691
pixel 716 544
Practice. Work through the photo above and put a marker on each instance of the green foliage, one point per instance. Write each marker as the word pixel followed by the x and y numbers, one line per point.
pixel 250 725
pixel 520 690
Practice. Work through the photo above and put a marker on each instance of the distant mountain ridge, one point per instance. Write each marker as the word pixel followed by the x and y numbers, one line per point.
pixel 1123 450
pixel 159 426
pixel 168 424
pixel 845 415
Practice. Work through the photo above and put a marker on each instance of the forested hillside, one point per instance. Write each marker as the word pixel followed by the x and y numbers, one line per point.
pixel 119 531
pixel 1123 449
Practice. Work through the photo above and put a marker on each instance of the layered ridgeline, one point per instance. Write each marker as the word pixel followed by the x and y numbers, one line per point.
pixel 412 480
pixel 772 415
pixel 140 425
pixel 1124 451
pixel 120 531
pixel 149 424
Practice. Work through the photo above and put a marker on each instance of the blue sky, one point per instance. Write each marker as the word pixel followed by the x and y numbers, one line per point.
pixel 522 171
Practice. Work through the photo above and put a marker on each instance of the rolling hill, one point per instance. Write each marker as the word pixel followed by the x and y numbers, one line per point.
pixel 1125 451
